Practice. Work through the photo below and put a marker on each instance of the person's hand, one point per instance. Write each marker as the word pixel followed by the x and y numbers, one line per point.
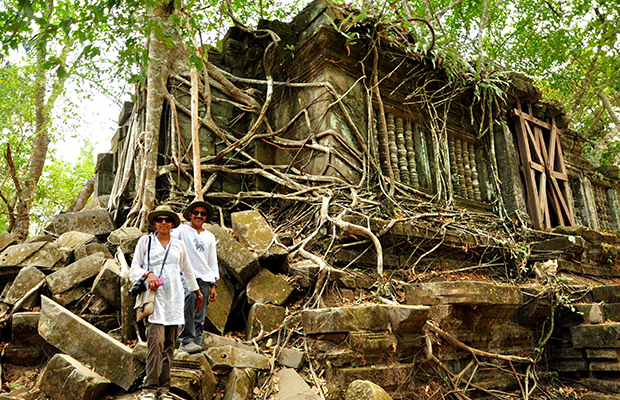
pixel 212 294
pixel 151 279
pixel 199 301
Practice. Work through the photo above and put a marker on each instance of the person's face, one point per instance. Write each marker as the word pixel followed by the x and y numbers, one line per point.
pixel 163 224
pixel 198 216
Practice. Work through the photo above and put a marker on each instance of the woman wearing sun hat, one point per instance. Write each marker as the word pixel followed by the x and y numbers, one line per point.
pixel 158 257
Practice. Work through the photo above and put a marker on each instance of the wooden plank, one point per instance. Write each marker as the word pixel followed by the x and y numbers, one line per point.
pixel 544 203
pixel 557 201
pixel 541 145
pixel 559 175
pixel 531 118
pixel 536 166
pixel 535 143
pixel 528 174
pixel 552 147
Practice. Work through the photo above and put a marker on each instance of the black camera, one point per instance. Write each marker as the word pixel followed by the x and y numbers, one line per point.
pixel 138 287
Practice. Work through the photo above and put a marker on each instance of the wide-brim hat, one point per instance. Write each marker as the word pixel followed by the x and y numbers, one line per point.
pixel 195 204
pixel 164 211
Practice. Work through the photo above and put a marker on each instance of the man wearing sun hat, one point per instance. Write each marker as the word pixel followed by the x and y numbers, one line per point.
pixel 201 250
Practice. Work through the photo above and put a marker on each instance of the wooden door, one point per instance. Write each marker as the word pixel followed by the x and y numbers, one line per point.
pixel 548 197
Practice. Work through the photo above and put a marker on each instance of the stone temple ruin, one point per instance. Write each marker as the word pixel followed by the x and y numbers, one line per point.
pixel 488 271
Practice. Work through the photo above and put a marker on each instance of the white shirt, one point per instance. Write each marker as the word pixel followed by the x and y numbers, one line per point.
pixel 201 250
pixel 170 297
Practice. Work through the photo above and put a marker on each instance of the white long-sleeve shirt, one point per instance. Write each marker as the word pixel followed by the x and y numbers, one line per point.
pixel 170 297
pixel 201 250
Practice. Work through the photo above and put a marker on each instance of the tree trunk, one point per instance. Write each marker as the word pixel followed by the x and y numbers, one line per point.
pixel 603 143
pixel 84 195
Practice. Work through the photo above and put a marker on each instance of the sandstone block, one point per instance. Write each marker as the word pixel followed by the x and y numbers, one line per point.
pixel 24 328
pixel 28 278
pixel 126 239
pixel 610 354
pixel 600 385
pixel 253 231
pixel 89 249
pixel 372 342
pixel 97 202
pixel 291 358
pixel 70 296
pixel 79 339
pixel 345 319
pixel 293 386
pixel 389 377
pixel 6 240
pixel 73 239
pixel 227 357
pixel 66 378
pixel 366 390
pixel 565 244
pixel 596 336
pixel 463 293
pixel 264 316
pixel 212 340
pixel 95 222
pixel 217 312
pixel 192 383
pixel 26 353
pixel 107 283
pixel 238 260
pixel 607 293
pixel 268 288
pixel 240 384
pixel 75 273
pixel 408 319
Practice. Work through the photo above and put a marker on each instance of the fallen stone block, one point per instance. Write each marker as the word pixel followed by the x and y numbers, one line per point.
pixel 345 319
pixel 97 202
pixel 126 239
pixel 226 357
pixel 74 336
pixel 66 378
pixel 291 358
pixel 390 377
pixel 90 249
pixel 606 354
pixel 268 288
pixel 240 384
pixel 264 317
pixel 75 274
pixel 50 257
pixel 462 293
pixel 408 319
pixel 366 390
pixel 365 342
pixel 45 256
pixel 107 283
pixel 253 231
pixel 571 366
pixel 217 312
pixel 607 293
pixel 70 296
pixel 238 260
pixel 6 240
pixel 601 385
pixel 95 222
pixel 559 245
pixel 212 340
pixel 191 376
pixel 26 353
pixel 28 278
pixel 596 336
pixel 24 328
pixel 99 306
pixel 104 323
pixel 73 239
pixel 293 387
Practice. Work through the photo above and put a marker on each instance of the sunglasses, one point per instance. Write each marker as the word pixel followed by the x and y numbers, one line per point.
pixel 201 213
pixel 163 219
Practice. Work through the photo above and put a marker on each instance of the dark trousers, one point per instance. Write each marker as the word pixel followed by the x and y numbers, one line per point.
pixel 160 341
pixel 194 321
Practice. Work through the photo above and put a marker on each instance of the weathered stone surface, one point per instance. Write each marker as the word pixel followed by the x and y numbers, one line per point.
pixel 601 366
pixel 366 390
pixel 24 328
pixel 291 358
pixel 345 319
pixel 28 278
pixel 6 240
pixel 70 296
pixel 25 353
pixel 268 288
pixel 192 376
pixel 227 357
pixel 607 293
pixel 565 244
pixel 253 231
pixel 293 386
pixel 462 292
pixel 49 258
pixel 264 316
pixel 407 319
pixel 97 202
pixel 75 273
pixel 372 342
pixel 66 378
pixel 89 249
pixel 599 396
pixel 75 239
pixel 107 283
pixel 233 256
pixel 595 336
pixel 569 366
pixel 43 255
pixel 217 312
pixel 98 306
pixel 73 336
pixel 610 354
pixel 212 340
pixel 605 386
pixel 95 222
pixel 239 384
pixel 389 377
pixel 126 239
